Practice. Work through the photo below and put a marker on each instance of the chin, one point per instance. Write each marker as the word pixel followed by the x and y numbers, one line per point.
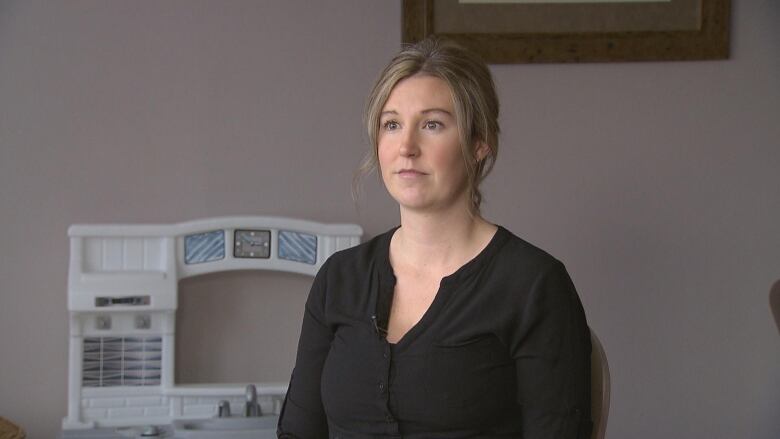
pixel 411 203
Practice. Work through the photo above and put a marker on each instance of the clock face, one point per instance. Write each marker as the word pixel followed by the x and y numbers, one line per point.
pixel 252 244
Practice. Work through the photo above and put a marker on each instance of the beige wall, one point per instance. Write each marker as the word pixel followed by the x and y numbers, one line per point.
pixel 656 183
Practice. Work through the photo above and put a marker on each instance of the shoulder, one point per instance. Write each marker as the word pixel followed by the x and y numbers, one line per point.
pixel 362 258
pixel 521 270
pixel 522 257
pixel 342 279
pixel 534 280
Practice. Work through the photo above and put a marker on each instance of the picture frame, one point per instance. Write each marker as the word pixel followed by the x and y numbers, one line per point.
pixel 575 32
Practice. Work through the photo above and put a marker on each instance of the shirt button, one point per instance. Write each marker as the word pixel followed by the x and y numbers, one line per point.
pixel 381 386
pixel 389 418
pixel 384 355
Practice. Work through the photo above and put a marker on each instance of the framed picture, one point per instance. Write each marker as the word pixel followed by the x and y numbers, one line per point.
pixel 544 31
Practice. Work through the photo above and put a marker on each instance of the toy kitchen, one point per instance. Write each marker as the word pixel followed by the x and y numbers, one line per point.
pixel 122 299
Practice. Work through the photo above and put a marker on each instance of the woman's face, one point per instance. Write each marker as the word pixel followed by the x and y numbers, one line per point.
pixel 419 147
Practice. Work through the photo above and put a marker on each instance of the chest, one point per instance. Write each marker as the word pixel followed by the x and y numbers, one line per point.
pixel 413 295
pixel 424 386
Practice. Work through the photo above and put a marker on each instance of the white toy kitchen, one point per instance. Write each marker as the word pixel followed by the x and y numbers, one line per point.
pixel 122 300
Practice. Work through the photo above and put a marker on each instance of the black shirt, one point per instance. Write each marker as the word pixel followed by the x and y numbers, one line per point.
pixel 503 351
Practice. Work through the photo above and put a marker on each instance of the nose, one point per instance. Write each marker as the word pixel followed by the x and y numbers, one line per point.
pixel 409 146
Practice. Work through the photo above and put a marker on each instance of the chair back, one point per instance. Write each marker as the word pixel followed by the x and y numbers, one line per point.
pixel 599 385
pixel 774 302
pixel 9 430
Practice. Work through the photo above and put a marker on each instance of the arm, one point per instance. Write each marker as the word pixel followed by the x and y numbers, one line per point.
pixel 303 416
pixel 551 348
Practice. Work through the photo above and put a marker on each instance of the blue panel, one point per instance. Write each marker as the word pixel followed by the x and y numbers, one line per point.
pixel 298 247
pixel 204 247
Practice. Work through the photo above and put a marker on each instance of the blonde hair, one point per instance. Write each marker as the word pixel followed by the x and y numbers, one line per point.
pixel 473 94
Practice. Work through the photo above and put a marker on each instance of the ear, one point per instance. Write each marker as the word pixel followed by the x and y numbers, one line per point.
pixel 481 151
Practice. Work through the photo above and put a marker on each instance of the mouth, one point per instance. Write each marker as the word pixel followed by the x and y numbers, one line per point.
pixel 410 173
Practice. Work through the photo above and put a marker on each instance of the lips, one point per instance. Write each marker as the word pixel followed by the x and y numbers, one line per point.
pixel 410 173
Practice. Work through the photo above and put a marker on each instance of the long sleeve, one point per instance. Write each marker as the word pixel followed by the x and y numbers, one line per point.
pixel 303 416
pixel 551 348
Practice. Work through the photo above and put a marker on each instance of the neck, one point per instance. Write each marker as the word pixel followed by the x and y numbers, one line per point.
pixel 440 241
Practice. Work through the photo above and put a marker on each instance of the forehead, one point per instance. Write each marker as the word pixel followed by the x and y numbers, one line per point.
pixel 419 92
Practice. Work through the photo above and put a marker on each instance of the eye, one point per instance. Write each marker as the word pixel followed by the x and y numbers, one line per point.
pixel 432 125
pixel 390 125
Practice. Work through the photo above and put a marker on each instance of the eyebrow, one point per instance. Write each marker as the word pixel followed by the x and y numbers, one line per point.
pixel 426 111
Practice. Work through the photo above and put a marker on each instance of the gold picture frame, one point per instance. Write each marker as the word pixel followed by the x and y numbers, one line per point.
pixel 602 32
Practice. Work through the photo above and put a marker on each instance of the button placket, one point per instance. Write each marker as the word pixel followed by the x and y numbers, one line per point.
pixel 383 382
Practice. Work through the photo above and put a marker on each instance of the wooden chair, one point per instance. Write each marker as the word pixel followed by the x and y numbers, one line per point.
pixel 774 302
pixel 599 385
pixel 9 430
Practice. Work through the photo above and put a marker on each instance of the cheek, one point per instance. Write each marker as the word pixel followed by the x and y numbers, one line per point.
pixel 383 165
pixel 384 155
pixel 457 175
pixel 450 157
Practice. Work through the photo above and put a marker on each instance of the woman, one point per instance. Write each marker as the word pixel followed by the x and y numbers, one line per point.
pixel 447 326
